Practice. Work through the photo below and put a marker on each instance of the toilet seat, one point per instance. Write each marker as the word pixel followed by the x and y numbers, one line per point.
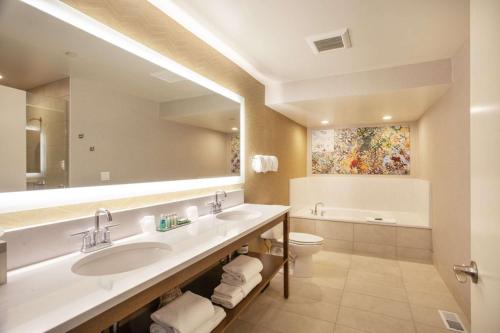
pixel 300 238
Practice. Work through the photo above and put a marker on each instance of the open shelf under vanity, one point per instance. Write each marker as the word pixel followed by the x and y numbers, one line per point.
pixel 206 283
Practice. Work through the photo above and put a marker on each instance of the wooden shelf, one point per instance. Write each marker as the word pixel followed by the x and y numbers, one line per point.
pixel 205 284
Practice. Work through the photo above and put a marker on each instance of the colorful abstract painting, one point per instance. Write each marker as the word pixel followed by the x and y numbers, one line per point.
pixel 362 150
pixel 235 154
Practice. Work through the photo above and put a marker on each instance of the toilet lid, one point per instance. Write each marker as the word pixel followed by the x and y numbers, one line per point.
pixel 302 238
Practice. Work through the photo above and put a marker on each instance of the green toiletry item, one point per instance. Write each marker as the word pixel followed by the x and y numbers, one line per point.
pixel 163 223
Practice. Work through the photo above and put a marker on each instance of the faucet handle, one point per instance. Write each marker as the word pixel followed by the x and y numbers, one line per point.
pixel 86 239
pixel 111 226
pixel 84 233
pixel 107 234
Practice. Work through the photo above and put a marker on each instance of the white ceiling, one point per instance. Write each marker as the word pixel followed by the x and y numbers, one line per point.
pixel 32 52
pixel 212 111
pixel 388 37
pixel 271 35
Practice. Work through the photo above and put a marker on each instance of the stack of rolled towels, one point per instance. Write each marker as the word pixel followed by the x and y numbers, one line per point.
pixel 189 313
pixel 265 163
pixel 239 278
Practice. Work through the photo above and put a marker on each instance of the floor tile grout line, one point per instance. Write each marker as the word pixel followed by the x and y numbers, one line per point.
pixel 343 292
pixel 408 297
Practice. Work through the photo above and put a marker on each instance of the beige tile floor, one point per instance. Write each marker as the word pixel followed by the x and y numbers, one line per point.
pixel 353 294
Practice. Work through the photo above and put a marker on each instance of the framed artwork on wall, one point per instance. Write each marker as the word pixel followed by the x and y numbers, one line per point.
pixel 361 150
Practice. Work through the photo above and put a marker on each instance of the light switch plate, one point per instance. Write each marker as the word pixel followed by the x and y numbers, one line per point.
pixel 105 176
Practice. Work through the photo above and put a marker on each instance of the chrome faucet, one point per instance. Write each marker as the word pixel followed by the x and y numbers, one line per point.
pixel 97 238
pixel 216 206
pixel 315 211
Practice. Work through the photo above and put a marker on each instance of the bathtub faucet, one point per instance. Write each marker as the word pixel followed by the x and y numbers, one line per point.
pixel 315 212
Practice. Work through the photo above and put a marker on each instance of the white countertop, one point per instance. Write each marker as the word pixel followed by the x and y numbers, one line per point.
pixel 48 296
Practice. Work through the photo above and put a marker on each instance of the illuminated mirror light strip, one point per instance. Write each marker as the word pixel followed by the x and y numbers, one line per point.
pixel 184 19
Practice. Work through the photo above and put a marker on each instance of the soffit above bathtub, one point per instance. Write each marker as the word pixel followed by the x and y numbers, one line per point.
pixel 363 98
pixel 271 35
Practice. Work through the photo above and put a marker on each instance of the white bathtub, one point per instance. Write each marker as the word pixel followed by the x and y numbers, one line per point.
pixel 405 219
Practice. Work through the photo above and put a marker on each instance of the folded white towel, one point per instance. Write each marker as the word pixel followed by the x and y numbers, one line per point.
pixel 231 280
pixel 208 326
pixel 248 287
pixel 226 302
pixel 228 291
pixel 243 268
pixel 157 328
pixel 185 313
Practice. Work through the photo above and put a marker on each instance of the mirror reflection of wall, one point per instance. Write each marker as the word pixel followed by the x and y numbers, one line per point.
pixel 47 110
pixel 94 114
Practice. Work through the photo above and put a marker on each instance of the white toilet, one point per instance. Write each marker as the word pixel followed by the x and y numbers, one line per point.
pixel 302 247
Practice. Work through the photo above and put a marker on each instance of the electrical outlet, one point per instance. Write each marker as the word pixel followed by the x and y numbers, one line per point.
pixel 105 176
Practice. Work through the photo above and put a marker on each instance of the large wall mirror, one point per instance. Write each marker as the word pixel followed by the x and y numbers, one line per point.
pixel 78 111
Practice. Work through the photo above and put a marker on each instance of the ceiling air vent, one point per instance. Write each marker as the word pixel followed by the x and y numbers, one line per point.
pixel 329 41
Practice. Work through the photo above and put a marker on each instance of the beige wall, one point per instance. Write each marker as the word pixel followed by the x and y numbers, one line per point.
pixel 12 139
pixel 133 143
pixel 267 132
pixel 444 160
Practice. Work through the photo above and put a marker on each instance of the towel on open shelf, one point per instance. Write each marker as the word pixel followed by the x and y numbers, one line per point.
pixel 228 291
pixel 226 302
pixel 243 268
pixel 184 314
pixel 206 327
pixel 248 287
pixel 229 296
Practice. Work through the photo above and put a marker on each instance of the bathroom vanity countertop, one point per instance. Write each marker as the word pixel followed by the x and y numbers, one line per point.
pixel 48 296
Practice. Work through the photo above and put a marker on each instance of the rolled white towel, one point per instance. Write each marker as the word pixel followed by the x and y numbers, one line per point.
pixel 185 313
pixel 209 325
pixel 243 268
pixel 248 287
pixel 227 290
pixel 258 163
pixel 227 302
pixel 274 163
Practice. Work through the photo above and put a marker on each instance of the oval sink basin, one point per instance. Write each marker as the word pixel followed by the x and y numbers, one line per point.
pixel 238 215
pixel 121 258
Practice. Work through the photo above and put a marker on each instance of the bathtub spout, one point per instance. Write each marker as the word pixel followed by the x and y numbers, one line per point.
pixel 315 212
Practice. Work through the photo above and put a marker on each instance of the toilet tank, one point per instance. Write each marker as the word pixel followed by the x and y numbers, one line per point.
pixel 275 232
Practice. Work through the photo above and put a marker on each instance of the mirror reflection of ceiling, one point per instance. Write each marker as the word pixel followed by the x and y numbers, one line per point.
pixel 35 51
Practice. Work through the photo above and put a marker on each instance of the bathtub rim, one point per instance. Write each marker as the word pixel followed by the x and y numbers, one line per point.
pixel 302 214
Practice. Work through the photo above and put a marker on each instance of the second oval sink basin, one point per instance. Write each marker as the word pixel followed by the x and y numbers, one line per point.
pixel 121 258
pixel 238 215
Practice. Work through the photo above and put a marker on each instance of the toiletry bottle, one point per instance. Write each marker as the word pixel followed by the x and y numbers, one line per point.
pixel 168 220
pixel 163 223
pixel 174 219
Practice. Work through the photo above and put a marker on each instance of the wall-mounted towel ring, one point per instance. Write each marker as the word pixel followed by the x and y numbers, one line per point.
pixel 264 163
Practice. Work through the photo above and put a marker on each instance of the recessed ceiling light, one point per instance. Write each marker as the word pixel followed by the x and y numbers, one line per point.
pixel 234 129
pixel 325 122
pixel 387 117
